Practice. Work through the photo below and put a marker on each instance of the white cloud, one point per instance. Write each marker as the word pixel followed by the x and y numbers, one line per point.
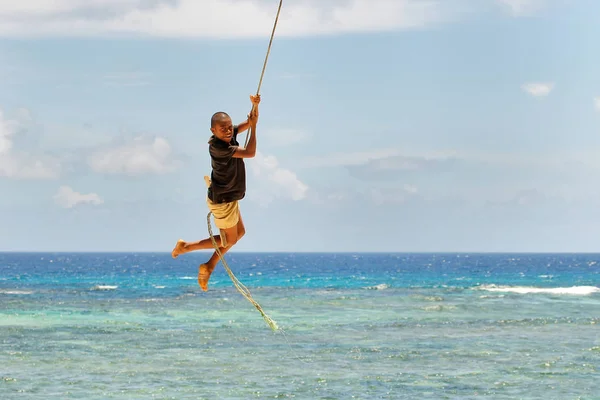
pixel 67 138
pixel 521 8
pixel 385 158
pixel 68 198
pixel 216 18
pixel 538 89
pixel 284 137
pixel 274 181
pixel 139 157
pixel 350 158
pixel 7 129
pixel 597 103
pixel 394 195
pixel 17 164
pixel 411 189
pixel 388 162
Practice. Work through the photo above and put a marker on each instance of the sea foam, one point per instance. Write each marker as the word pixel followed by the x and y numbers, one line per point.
pixel 573 290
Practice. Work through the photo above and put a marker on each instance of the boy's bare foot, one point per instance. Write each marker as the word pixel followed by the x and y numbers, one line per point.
pixel 204 272
pixel 178 249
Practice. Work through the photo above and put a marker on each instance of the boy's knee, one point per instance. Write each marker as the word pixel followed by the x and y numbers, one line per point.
pixel 231 242
pixel 231 238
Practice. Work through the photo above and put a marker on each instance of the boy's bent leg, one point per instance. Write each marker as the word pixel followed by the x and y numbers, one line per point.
pixel 226 218
pixel 182 247
pixel 205 270
pixel 241 231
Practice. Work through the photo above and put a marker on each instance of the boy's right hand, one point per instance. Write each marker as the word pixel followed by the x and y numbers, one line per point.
pixel 253 116
pixel 255 100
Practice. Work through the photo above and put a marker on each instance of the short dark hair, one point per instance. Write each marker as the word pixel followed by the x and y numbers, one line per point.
pixel 218 117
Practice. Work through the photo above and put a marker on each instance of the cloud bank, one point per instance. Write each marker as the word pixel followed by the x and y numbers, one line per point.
pixel 538 89
pixel 16 164
pixel 140 156
pixel 520 8
pixel 66 197
pixel 274 181
pixel 233 18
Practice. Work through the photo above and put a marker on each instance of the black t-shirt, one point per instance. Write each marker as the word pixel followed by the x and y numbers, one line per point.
pixel 228 177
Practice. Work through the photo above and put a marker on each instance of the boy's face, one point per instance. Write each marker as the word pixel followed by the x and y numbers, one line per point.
pixel 223 129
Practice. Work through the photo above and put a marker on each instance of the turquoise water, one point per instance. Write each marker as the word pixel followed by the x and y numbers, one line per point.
pixel 354 326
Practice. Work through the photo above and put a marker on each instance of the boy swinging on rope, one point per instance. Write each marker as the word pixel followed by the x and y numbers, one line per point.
pixel 226 187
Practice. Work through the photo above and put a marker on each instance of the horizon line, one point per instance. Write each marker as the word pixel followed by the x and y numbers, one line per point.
pixel 302 252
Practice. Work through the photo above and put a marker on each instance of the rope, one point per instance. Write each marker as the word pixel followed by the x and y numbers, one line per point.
pixel 239 285
pixel 251 130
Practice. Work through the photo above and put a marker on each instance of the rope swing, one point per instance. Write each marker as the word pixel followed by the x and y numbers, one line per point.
pixel 251 130
pixel 240 286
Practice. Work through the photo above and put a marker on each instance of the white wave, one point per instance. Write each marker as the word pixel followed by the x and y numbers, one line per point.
pixel 381 286
pixel 159 287
pixel 573 290
pixel 104 287
pixel 188 277
pixel 14 291
pixel 439 307
pixel 485 296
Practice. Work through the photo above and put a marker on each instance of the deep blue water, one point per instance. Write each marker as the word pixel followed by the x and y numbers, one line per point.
pixel 138 272
pixel 368 326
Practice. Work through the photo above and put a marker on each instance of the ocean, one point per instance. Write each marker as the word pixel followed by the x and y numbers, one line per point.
pixel 352 326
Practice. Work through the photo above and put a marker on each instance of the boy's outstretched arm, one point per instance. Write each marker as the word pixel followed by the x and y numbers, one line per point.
pixel 250 151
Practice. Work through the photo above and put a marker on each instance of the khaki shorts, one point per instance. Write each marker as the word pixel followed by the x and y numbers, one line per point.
pixel 226 215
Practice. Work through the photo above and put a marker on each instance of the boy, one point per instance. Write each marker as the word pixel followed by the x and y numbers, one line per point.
pixel 226 187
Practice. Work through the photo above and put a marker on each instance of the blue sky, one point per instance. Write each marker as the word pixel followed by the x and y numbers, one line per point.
pixel 385 125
